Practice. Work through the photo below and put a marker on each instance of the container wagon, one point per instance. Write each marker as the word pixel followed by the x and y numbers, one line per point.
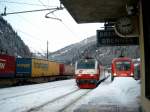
pixel 36 70
pixel 7 66
pixel 31 70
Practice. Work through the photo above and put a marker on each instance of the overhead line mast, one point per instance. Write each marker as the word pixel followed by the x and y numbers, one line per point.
pixel 5 13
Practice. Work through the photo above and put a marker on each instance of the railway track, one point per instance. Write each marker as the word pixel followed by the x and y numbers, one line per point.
pixel 28 92
pixel 34 86
pixel 67 100
pixel 72 103
pixel 52 101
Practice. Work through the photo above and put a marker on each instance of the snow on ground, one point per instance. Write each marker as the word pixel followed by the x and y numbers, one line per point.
pixel 59 105
pixel 18 99
pixel 121 95
pixel 29 89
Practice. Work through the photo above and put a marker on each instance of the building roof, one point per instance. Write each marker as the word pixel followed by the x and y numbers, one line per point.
pixel 91 11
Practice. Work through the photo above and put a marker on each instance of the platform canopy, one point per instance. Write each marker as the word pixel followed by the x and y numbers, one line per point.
pixel 90 11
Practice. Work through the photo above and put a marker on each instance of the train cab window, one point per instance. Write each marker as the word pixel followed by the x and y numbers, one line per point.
pixel 146 32
pixel 123 66
pixel 86 64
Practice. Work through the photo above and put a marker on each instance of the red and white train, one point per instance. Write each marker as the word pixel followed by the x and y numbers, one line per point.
pixel 122 67
pixel 88 72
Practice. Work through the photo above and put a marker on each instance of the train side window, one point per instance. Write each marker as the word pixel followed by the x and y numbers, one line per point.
pixel 146 31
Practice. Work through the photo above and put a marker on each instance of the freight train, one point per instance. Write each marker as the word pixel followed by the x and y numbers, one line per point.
pixel 25 70
pixel 122 67
pixel 88 72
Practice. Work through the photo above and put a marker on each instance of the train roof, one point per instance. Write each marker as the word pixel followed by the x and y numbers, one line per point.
pixel 122 59
pixel 40 59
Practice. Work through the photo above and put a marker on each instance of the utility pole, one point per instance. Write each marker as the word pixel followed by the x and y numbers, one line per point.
pixel 47 49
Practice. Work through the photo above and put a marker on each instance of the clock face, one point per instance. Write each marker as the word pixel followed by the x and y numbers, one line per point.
pixel 124 26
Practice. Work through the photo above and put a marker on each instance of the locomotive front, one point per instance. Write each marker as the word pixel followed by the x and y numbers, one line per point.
pixel 87 73
pixel 122 67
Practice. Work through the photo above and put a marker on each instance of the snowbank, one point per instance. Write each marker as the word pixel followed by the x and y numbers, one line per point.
pixel 122 94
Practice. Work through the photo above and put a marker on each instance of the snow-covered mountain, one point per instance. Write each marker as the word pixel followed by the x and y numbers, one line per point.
pixel 10 42
pixel 89 47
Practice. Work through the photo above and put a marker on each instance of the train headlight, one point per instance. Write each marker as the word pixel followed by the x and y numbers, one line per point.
pixel 115 74
pixel 79 75
pixel 91 75
pixel 131 74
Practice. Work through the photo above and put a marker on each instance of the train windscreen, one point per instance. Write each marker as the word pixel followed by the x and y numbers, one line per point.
pixel 86 64
pixel 125 65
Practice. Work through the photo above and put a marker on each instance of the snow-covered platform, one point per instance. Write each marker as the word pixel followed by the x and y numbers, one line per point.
pixel 121 95
pixel 106 108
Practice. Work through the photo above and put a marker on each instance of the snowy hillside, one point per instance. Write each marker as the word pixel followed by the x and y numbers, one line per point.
pixel 88 46
pixel 10 42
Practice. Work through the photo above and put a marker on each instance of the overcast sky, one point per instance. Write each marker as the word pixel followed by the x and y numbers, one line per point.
pixel 34 29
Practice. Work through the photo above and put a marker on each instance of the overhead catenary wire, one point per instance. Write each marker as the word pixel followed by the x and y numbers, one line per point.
pixel 23 3
pixel 36 10
pixel 31 24
pixel 35 38
pixel 52 10
pixel 46 9
pixel 35 26
pixel 71 31
pixel 42 3
pixel 46 16
pixel 29 35
pixel 66 26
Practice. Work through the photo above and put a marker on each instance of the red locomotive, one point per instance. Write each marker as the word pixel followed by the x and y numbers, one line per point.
pixel 87 73
pixel 122 67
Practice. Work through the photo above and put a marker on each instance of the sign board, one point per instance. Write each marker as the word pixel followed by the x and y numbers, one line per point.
pixel 110 38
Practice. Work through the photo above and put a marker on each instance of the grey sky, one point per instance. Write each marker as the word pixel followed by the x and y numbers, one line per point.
pixel 35 29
